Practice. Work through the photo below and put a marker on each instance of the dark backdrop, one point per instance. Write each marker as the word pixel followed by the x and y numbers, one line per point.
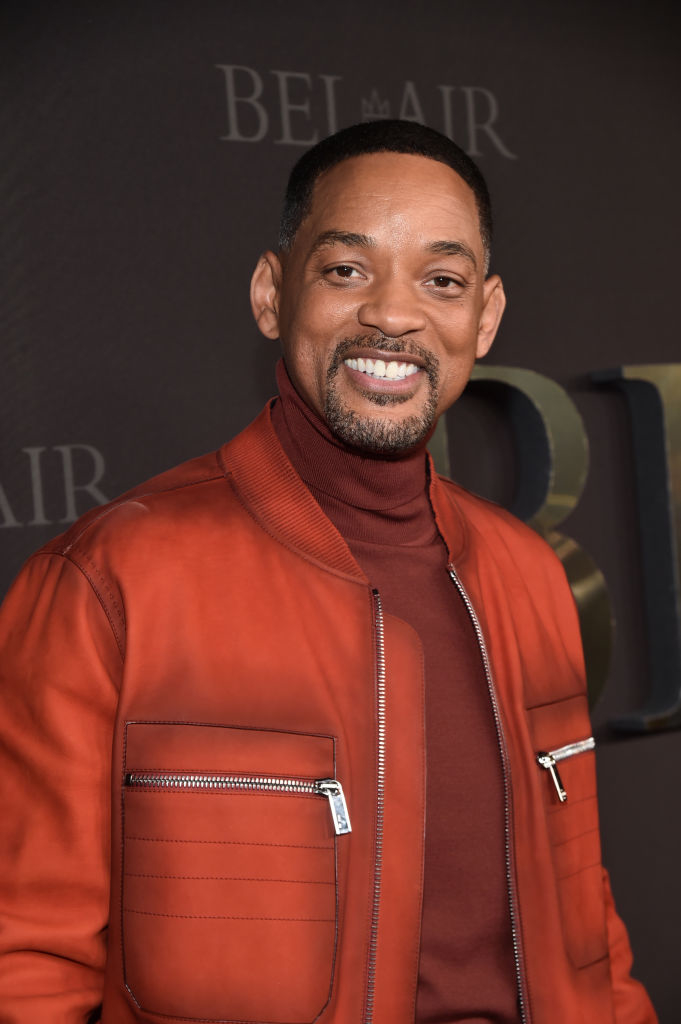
pixel 145 151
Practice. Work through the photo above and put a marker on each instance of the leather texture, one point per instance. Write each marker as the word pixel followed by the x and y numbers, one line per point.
pixel 214 621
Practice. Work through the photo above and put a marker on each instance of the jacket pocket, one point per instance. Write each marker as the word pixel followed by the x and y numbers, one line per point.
pixel 229 896
pixel 568 782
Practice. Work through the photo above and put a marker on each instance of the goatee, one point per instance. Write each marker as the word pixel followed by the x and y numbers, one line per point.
pixel 373 434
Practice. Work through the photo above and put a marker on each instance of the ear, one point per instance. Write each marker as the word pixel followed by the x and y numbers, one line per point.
pixel 494 304
pixel 265 290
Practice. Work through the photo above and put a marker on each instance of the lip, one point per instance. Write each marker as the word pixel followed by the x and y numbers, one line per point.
pixel 385 355
pixel 384 385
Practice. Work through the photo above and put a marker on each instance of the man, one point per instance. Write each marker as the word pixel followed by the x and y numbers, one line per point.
pixel 328 703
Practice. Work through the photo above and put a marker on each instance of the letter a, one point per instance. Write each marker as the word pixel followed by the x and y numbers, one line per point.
pixel 411 109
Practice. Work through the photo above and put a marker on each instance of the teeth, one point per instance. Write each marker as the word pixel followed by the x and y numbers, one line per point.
pixel 381 370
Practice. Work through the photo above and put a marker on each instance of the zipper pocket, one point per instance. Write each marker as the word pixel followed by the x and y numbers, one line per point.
pixel 548 759
pixel 329 788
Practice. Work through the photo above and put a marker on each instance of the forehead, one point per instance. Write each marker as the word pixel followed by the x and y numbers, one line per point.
pixel 393 189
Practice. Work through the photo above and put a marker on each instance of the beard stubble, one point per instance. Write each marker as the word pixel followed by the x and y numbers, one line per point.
pixel 376 435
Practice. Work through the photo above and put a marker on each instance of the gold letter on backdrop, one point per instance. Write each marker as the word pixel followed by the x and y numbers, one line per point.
pixel 653 394
pixel 552 462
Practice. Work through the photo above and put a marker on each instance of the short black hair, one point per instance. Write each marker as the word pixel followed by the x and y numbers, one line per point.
pixel 385 136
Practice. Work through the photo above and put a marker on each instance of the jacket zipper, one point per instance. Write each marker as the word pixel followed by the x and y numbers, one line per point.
pixel 329 788
pixel 505 767
pixel 549 758
pixel 380 800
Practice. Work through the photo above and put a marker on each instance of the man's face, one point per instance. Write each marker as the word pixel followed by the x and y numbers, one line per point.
pixel 382 304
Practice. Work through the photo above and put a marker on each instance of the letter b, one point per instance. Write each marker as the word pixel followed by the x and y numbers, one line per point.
pixel 248 102
pixel 552 458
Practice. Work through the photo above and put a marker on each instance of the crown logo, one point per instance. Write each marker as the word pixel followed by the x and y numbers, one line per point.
pixel 375 109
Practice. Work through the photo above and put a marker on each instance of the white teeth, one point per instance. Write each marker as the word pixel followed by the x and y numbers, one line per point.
pixel 381 370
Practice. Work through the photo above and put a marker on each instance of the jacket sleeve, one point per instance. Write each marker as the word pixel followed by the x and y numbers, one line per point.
pixel 630 1000
pixel 59 669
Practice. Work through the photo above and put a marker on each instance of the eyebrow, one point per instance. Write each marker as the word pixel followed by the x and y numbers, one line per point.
pixel 334 237
pixel 445 248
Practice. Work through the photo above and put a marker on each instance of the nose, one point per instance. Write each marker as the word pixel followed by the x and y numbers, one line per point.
pixel 391 307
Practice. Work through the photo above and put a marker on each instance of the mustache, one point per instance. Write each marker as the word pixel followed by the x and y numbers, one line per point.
pixel 384 343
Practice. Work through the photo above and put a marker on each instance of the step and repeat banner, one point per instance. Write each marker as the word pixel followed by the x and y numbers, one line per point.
pixel 146 149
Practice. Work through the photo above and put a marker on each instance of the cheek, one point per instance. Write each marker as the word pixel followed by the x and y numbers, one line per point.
pixel 312 330
pixel 451 389
pixel 323 313
pixel 457 328
pixel 455 369
pixel 306 360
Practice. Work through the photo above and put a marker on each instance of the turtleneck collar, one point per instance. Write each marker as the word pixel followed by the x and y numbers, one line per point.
pixel 380 500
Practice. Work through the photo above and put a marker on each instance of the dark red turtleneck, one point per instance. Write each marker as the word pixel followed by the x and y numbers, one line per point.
pixel 381 508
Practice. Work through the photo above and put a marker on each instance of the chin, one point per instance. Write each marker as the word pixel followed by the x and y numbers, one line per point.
pixel 378 435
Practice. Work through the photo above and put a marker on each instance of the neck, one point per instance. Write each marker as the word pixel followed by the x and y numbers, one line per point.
pixel 363 494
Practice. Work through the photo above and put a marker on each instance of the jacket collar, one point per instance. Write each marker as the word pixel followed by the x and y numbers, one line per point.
pixel 269 485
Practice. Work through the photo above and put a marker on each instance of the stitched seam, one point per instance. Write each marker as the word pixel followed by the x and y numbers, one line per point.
pixel 560 808
pixel 336 904
pixel 230 878
pixel 123 842
pixel 227 917
pixel 203 1020
pixel 578 694
pixel 228 842
pixel 100 576
pixel 219 725
pixel 95 590
pixel 572 839
pixel 586 867
pixel 105 588
pixel 417 950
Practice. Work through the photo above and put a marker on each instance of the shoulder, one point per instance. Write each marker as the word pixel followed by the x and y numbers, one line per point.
pixel 171 519
pixel 134 548
pixel 178 494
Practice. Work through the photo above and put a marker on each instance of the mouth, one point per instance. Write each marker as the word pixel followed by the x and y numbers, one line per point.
pixel 382 369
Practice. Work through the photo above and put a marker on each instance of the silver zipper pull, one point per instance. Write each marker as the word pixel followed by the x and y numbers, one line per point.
pixel 548 761
pixel 333 790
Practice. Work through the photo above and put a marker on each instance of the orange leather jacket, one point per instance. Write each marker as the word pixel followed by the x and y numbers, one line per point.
pixel 187 675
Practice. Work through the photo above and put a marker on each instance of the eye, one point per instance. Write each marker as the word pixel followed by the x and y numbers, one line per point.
pixel 442 281
pixel 343 271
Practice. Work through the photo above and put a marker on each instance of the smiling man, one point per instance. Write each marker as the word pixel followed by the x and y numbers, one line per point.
pixel 298 730
pixel 380 326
